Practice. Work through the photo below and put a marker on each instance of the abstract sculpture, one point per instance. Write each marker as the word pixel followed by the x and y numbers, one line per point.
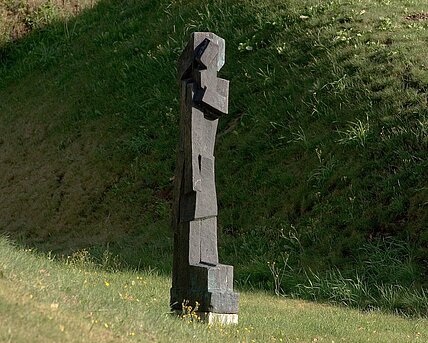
pixel 199 280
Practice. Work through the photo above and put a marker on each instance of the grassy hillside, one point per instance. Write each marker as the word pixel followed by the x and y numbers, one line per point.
pixel 321 162
pixel 49 300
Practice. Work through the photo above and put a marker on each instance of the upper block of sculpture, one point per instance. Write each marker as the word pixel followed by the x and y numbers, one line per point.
pixel 198 67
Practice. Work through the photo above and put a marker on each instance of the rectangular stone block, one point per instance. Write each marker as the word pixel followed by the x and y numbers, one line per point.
pixel 203 134
pixel 208 229
pixel 206 198
pixel 194 242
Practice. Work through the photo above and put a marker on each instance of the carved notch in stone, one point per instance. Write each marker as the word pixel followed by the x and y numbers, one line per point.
pixel 197 274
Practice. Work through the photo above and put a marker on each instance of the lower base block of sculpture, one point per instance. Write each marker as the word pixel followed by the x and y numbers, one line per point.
pixel 207 288
pixel 204 301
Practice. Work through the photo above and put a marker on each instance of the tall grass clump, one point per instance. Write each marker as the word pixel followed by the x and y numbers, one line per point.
pixel 383 279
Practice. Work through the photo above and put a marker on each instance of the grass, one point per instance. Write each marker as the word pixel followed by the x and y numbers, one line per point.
pixel 76 300
pixel 18 18
pixel 321 160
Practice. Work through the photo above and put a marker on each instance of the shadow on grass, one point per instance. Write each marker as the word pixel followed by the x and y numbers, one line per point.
pixel 82 125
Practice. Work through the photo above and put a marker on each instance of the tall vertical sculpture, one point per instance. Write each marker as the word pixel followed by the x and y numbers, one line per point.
pixel 198 277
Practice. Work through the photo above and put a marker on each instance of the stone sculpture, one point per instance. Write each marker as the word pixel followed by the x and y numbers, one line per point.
pixel 198 277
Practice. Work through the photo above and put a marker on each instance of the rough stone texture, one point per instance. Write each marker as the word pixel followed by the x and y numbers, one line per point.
pixel 197 274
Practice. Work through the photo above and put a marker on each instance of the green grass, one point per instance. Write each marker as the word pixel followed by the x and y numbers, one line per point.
pixel 75 300
pixel 321 161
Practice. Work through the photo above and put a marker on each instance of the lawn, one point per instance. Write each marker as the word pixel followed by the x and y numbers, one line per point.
pixel 76 300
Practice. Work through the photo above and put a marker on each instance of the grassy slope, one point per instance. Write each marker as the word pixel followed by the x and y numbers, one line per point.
pixel 323 152
pixel 42 300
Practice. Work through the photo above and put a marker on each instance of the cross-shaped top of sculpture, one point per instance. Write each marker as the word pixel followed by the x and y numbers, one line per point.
pixel 203 57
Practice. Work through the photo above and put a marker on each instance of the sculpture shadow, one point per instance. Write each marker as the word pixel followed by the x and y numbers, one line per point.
pixel 88 136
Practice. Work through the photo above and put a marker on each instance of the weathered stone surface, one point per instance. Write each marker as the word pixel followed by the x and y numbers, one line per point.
pixel 197 275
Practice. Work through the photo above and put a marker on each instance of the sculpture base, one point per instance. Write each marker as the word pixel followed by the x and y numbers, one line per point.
pixel 206 288
pixel 215 301
pixel 212 318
